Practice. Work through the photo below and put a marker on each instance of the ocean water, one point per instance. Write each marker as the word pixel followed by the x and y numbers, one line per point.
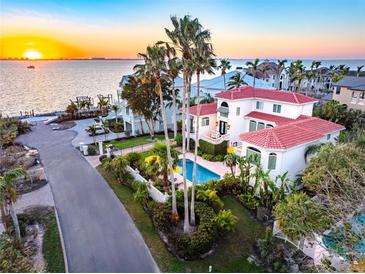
pixel 51 85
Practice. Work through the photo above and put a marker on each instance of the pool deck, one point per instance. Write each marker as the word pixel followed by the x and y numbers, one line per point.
pixel 216 167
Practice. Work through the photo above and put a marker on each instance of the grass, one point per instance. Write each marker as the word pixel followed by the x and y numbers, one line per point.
pixel 231 252
pixel 52 248
pixel 134 141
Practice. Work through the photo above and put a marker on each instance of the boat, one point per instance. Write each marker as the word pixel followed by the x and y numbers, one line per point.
pixel 31 67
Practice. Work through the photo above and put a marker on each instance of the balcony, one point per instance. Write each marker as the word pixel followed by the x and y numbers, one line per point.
pixel 215 137
pixel 238 150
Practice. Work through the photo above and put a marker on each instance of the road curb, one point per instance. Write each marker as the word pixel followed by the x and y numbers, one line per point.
pixel 62 242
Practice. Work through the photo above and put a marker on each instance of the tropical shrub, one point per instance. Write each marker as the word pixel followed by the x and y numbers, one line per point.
pixel 179 140
pixel 133 159
pixel 226 221
pixel 10 128
pixel 118 167
pixel 210 197
pixel 299 216
pixel 218 158
pixel 208 157
pixel 12 258
pixel 249 200
pixel 208 148
pixel 91 150
pixel 141 194
pixel 230 185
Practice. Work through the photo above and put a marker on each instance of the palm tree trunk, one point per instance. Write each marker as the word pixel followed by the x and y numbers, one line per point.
pixel 167 139
pixel 3 215
pixel 174 109
pixel 192 203
pixel 188 113
pixel 14 218
pixel 186 198
pixel 140 122
pixel 224 80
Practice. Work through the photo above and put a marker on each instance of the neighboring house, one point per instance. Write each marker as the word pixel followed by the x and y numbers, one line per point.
pixel 276 125
pixel 216 84
pixel 135 123
pixel 351 91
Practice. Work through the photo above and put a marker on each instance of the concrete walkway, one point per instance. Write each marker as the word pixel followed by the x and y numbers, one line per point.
pixel 83 135
pixel 99 234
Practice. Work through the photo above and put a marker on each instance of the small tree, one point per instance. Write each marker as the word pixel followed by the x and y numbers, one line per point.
pixel 115 108
pixel 8 196
pixel 92 130
pixel 226 221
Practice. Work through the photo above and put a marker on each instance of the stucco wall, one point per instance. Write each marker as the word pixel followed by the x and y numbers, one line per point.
pixel 345 97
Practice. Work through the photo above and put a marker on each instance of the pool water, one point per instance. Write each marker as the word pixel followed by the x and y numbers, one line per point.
pixel 357 226
pixel 203 175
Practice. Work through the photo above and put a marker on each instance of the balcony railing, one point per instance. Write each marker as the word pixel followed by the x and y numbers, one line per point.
pixel 215 137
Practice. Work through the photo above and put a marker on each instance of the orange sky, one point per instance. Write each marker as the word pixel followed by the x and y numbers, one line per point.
pixel 125 33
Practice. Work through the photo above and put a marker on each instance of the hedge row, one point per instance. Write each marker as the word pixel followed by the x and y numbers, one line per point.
pixel 208 148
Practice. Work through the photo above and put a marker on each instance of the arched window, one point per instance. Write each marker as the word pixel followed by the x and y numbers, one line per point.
pixel 272 161
pixel 224 104
pixel 252 126
pixel 253 151
pixel 260 125
pixel 269 126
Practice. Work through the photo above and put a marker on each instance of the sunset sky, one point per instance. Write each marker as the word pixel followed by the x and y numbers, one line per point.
pixel 326 29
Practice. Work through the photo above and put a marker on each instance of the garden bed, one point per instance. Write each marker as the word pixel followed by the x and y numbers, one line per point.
pixel 134 141
pixel 232 250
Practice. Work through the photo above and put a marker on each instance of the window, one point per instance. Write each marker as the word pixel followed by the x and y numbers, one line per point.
pixel 272 161
pixel 238 110
pixel 353 95
pixel 276 108
pixel 259 105
pixel 269 126
pixel 205 122
pixel 338 90
pixel 260 125
pixel 224 104
pixel 362 95
pixel 328 136
pixel 127 110
pixel 254 152
pixel 252 126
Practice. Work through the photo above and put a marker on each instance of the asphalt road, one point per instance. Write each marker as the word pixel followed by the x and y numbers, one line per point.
pixel 98 233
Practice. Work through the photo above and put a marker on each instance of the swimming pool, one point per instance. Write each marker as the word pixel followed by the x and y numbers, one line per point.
pixel 357 226
pixel 203 175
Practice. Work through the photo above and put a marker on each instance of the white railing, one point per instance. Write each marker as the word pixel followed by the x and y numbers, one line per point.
pixel 215 137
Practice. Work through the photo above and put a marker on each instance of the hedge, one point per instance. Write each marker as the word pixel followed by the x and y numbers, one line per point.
pixel 208 148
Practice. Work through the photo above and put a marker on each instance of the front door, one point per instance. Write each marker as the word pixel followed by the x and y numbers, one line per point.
pixel 222 127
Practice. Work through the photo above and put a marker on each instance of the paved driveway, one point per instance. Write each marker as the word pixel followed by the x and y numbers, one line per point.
pixel 99 234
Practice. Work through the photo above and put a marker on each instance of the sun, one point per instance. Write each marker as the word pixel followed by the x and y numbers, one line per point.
pixel 33 54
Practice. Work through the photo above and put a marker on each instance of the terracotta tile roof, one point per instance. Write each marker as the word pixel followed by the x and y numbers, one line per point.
pixel 302 130
pixel 205 109
pixel 279 120
pixel 276 95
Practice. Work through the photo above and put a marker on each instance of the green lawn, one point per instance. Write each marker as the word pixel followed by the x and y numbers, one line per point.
pixel 230 254
pixel 135 141
pixel 52 249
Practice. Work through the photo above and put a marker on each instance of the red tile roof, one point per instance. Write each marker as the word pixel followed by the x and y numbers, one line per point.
pixel 269 117
pixel 276 95
pixel 205 109
pixel 300 131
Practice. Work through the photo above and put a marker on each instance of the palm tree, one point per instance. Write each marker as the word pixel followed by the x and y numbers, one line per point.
pixel 315 73
pixel 236 81
pixel 105 126
pixel 224 66
pixel 280 66
pixel 203 61
pixel 155 65
pixel 160 149
pixel 102 104
pixel 207 99
pixel 264 68
pixel 186 31
pixel 92 130
pixel 174 67
pixel 309 76
pixel 8 196
pixel 115 108
pixel 231 160
pixel 253 67
pixel 358 70
pixel 296 70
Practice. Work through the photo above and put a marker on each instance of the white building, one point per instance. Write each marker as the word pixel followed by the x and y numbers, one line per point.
pixel 276 125
pixel 135 123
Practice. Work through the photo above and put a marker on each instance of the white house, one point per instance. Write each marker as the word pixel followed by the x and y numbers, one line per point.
pixel 276 125
pixel 135 123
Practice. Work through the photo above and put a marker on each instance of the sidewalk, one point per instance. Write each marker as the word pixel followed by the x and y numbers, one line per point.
pixel 94 160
